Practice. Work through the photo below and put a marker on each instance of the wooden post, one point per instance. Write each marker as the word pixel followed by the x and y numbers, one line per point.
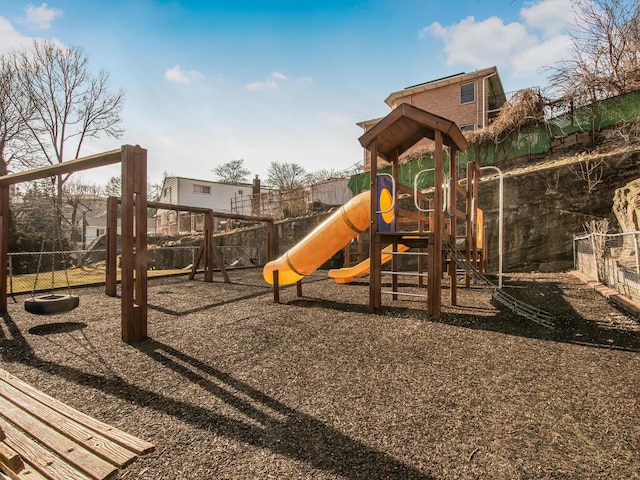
pixel 111 275
pixel 375 296
pixel 141 265
pixel 270 242
pixel 276 286
pixel 4 245
pixel 470 213
pixel 219 259
pixel 207 245
pixel 435 257
pixel 134 243
pixel 347 254
pixel 453 224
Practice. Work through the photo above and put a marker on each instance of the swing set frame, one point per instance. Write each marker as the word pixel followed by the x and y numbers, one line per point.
pixel 133 161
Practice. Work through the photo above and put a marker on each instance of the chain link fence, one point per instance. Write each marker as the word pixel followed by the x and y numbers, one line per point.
pixel 611 259
pixel 36 271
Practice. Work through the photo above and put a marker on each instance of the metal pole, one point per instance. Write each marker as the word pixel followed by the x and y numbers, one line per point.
pixel 500 220
pixel 635 247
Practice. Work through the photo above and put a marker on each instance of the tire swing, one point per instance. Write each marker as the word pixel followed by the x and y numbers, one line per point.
pixel 51 303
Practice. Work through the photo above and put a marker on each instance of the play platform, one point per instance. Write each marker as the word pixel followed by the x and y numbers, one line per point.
pixel 43 438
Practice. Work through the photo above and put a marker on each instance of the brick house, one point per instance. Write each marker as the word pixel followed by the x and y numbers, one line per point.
pixel 471 100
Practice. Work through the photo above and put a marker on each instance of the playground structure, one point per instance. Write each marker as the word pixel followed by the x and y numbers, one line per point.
pixel 445 229
pixel 207 254
pixel 133 160
pixel 436 220
pixel 133 237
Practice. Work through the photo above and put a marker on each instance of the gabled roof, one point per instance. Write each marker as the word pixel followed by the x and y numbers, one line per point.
pixel 491 72
pixel 406 125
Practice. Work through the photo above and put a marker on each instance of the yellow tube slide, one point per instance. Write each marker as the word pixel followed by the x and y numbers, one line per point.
pixel 347 274
pixel 323 242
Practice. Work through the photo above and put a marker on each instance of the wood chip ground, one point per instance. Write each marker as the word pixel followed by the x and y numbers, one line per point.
pixel 232 386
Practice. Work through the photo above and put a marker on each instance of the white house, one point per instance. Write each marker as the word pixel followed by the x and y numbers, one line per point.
pixel 219 197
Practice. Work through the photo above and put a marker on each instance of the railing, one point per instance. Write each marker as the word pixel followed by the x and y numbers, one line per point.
pixel 610 259
pixel 33 271
pixel 496 102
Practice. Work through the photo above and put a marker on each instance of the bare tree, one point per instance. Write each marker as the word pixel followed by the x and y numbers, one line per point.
pixel 233 172
pixel 590 171
pixel 285 176
pixel 605 52
pixel 113 188
pixel 70 104
pixel 15 112
pixel 322 175
pixel 80 198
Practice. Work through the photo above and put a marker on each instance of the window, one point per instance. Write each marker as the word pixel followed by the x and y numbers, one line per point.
pixel 167 192
pixel 201 189
pixel 467 128
pixel 467 93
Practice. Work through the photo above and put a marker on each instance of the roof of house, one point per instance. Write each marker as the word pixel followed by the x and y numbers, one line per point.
pixel 491 73
pixel 405 126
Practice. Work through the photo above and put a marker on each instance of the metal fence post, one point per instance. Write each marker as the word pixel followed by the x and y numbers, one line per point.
pixel 635 248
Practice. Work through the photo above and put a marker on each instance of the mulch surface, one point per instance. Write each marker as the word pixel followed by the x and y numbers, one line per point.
pixel 230 385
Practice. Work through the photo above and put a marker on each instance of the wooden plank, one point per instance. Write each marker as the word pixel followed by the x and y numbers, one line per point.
pixel 50 465
pixel 4 243
pixel 70 451
pixel 415 216
pixel 101 446
pixel 10 458
pixel 196 263
pixel 135 444
pixel 70 166
pixel 27 472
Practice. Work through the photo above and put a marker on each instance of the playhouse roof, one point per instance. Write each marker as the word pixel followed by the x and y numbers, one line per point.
pixel 406 125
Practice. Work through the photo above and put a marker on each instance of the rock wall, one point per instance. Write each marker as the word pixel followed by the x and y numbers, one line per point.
pixel 546 207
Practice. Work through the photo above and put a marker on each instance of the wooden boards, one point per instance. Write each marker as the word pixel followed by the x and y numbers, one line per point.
pixel 43 438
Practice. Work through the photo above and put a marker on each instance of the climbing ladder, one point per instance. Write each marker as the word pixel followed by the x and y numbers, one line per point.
pixel 518 307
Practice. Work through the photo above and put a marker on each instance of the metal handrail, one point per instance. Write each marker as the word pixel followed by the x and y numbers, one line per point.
pixel 415 190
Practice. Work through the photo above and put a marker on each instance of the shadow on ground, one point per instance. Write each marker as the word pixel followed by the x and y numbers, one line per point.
pixel 571 326
pixel 286 431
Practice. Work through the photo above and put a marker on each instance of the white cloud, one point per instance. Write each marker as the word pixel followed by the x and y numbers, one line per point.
pixel 177 75
pixel 10 38
pixel 279 76
pixel 541 55
pixel 41 18
pixel 551 17
pixel 274 81
pixel 481 44
pixel 517 48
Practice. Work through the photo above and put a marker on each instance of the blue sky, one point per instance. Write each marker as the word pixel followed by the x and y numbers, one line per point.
pixel 211 81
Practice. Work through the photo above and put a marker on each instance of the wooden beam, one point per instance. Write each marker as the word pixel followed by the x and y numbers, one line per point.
pixel 374 242
pixel 186 208
pixel 133 283
pixel 111 275
pixel 141 241
pixel 4 242
pixel 435 257
pixel 70 166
